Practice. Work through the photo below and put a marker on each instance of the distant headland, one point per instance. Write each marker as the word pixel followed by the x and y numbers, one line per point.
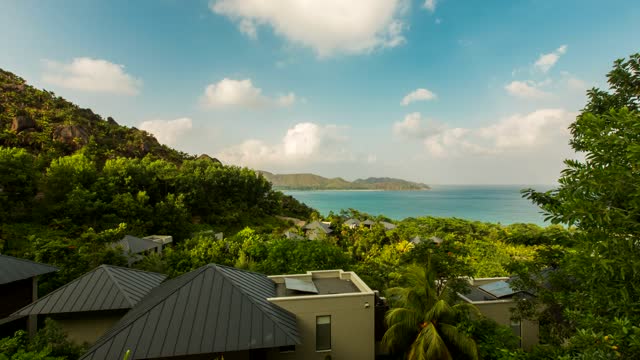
pixel 317 182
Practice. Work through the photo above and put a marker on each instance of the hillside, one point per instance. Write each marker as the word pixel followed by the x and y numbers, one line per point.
pixel 45 124
pixel 317 182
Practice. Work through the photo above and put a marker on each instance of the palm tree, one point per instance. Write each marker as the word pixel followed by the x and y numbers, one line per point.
pixel 422 323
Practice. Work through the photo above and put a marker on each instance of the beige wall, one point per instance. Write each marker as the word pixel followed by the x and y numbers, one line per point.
pixel 82 328
pixel 352 326
pixel 500 311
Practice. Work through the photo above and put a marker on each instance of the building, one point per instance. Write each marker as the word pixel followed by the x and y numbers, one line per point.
pixel 90 305
pixel 218 311
pixel 495 299
pixel 317 230
pixel 352 223
pixel 135 248
pixel 18 288
pixel 335 312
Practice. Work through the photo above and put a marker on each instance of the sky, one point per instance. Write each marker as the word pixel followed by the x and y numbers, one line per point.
pixel 435 91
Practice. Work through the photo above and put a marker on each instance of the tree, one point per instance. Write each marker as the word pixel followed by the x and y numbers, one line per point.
pixel 422 322
pixel 600 196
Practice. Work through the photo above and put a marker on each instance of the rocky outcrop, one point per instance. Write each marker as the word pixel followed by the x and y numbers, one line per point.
pixel 111 121
pixel 209 158
pixel 74 135
pixel 22 122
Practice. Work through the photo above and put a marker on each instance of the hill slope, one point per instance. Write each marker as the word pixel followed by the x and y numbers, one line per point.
pixel 317 182
pixel 45 124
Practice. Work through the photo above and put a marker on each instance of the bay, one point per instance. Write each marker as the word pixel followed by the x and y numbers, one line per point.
pixel 490 203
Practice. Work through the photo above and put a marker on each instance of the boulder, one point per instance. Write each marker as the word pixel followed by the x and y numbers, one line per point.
pixel 22 122
pixel 111 121
pixel 73 135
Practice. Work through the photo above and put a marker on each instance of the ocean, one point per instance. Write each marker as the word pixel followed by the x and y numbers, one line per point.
pixel 490 203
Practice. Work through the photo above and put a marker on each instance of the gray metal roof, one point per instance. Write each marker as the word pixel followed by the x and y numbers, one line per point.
pixel 388 225
pixel 14 269
pixel 368 222
pixel 135 245
pixel 317 225
pixel 213 309
pixel 354 222
pixel 104 288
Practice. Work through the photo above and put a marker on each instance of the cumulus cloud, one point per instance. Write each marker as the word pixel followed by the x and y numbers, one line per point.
pixel 430 5
pixel 89 74
pixel 525 89
pixel 515 133
pixel 546 61
pixel 411 127
pixel 304 142
pixel 327 27
pixel 241 93
pixel 168 132
pixel 418 95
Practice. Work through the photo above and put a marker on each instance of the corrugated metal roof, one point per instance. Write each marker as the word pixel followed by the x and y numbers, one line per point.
pixel 135 245
pixel 317 225
pixel 14 269
pixel 104 288
pixel 214 309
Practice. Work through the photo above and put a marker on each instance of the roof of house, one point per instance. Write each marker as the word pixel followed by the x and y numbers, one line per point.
pixel 499 289
pixel 104 288
pixel 416 240
pixel 317 225
pixel 213 309
pixel 354 222
pixel 135 245
pixel 368 222
pixel 388 225
pixel 14 269
pixel 292 235
pixel 436 240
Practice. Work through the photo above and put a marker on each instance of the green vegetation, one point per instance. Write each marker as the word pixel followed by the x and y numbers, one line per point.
pixel 62 203
pixel 424 318
pixel 316 182
pixel 49 343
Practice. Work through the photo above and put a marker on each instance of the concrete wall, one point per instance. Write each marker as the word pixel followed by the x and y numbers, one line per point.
pixel 352 326
pixel 500 312
pixel 87 327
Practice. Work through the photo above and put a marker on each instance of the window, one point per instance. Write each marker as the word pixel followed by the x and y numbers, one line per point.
pixel 323 333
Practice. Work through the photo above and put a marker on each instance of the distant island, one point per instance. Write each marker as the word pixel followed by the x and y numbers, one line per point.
pixel 317 182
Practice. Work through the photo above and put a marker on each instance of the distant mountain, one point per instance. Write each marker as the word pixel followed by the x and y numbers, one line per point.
pixel 317 182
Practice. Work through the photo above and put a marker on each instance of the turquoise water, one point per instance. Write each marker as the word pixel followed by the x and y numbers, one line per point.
pixel 503 204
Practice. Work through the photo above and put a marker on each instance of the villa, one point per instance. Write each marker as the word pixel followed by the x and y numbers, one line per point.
pixel 495 299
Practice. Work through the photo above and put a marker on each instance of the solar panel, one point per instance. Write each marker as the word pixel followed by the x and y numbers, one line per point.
pixel 498 289
pixel 300 285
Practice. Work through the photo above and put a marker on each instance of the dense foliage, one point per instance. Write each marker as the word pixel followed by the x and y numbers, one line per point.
pixel 591 290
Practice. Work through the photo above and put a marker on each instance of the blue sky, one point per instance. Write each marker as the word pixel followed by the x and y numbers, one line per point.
pixel 443 92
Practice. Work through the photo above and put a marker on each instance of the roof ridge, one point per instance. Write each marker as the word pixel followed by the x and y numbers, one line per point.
pixel 276 322
pixel 130 269
pixel 107 269
pixel 115 329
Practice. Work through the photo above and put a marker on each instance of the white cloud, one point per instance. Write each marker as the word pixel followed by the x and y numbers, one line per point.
pixel 541 128
pixel 546 61
pixel 305 142
pixel 241 93
pixel 286 100
pixel 327 27
pixel 430 5
pixel 525 89
pixel 411 127
pixel 418 95
pixel 89 74
pixel 168 132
